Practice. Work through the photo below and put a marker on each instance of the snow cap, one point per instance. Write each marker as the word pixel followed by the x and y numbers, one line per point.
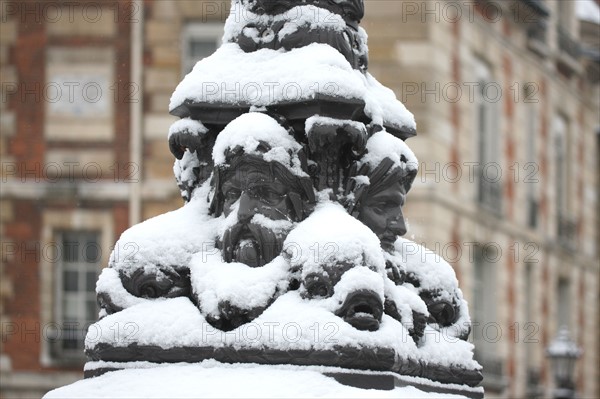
pixel 187 126
pixel 386 156
pixel 383 145
pixel 259 134
pixel 338 237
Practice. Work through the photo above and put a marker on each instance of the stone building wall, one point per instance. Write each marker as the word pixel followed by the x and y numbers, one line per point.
pixel 70 168
pixel 163 42
pixel 432 57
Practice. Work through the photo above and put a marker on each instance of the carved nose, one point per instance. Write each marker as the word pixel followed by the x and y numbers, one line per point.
pixel 247 208
pixel 397 225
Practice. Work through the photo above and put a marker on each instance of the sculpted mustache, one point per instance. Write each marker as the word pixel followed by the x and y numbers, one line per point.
pixel 270 243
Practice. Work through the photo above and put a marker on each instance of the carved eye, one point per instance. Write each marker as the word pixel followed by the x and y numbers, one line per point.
pixel 271 195
pixel 379 208
pixel 232 194
pixel 266 194
pixel 148 291
pixel 318 286
pixel 155 289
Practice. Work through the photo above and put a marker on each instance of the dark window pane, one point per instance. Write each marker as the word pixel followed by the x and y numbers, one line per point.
pixel 91 278
pixel 70 247
pixel 92 311
pixel 201 48
pixel 92 250
pixel 70 282
pixel 69 335
pixel 70 311
pixel 69 343
pixel 71 329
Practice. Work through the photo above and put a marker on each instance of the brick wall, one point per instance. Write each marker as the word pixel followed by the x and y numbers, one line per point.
pixel 35 168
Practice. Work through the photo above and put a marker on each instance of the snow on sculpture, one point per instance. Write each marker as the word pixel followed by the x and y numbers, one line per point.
pixel 293 190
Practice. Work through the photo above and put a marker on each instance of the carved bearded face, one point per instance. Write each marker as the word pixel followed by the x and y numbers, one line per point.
pixel 261 198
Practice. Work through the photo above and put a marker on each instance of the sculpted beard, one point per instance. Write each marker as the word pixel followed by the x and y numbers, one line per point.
pixel 253 244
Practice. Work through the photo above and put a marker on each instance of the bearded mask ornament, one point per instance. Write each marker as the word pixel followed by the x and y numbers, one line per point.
pixel 261 188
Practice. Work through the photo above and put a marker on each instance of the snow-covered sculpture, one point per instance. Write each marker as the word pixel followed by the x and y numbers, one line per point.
pixel 291 159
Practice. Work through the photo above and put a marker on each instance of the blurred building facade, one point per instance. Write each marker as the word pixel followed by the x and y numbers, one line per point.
pixel 506 101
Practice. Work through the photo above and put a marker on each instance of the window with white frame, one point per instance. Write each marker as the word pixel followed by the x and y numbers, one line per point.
pixel 563 307
pixel 531 165
pixel 529 286
pixel 530 328
pixel 566 225
pixel 77 269
pixel 486 329
pixel 560 165
pixel 484 298
pixel 487 95
pixel 198 41
pixel 565 15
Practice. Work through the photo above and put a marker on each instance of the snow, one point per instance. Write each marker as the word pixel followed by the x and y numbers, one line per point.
pixel 383 107
pixel 436 275
pixel 167 240
pixel 274 76
pixel 361 180
pixel 431 269
pixel 440 345
pixel 231 220
pixel 176 322
pixel 269 76
pixel 184 169
pixel 290 323
pixel 215 281
pixel 355 279
pixel 277 226
pixel 323 120
pixel 406 301
pixel 187 125
pixel 300 16
pixel 109 282
pixel 328 236
pixel 383 145
pixel 588 10
pixel 219 380
pixel 248 130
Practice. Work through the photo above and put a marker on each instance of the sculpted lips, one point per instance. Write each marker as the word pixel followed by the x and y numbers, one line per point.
pixel 252 244
pixel 247 251
pixel 242 245
pixel 363 310
pixel 387 241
